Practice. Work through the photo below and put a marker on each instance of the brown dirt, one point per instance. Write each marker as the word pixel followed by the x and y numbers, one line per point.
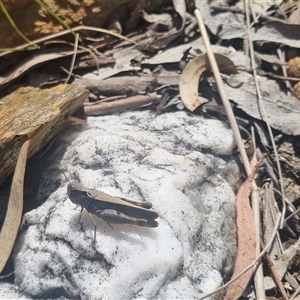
pixel 34 22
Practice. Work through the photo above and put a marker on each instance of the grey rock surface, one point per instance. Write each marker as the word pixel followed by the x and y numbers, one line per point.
pixel 10 291
pixel 179 162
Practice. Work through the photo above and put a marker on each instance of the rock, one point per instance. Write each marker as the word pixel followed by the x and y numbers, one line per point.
pixel 173 161
pixel 10 291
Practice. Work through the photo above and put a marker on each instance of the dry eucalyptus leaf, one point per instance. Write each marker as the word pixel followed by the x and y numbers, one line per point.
pixel 270 58
pixel 13 216
pixel 281 110
pixel 225 25
pixel 261 7
pixel 173 54
pixel 123 63
pixel 33 61
pixel 246 238
pixel 246 242
pixel 189 79
pixel 279 32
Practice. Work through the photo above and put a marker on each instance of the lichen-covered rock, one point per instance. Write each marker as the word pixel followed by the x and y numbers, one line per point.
pixel 173 161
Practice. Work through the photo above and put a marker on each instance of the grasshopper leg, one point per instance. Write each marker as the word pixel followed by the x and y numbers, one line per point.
pixel 79 220
pixel 95 227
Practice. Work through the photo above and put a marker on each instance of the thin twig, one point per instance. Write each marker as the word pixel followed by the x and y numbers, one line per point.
pixel 73 58
pixel 263 114
pixel 275 275
pixel 120 105
pixel 258 277
pixel 227 106
pixel 64 32
pixel 284 78
pixel 107 99
pixel 255 201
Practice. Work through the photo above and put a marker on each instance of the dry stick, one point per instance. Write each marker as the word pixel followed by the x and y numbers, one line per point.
pixel 63 32
pixel 236 133
pixel 221 89
pixel 259 280
pixel 262 253
pixel 264 116
pixel 259 276
pixel 107 99
pixel 284 78
pixel 120 105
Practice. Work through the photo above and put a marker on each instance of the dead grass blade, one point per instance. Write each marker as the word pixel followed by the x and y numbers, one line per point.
pixel 263 112
pixel 73 57
pixel 13 216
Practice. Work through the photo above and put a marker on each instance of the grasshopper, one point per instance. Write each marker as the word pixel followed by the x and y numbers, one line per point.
pixel 112 209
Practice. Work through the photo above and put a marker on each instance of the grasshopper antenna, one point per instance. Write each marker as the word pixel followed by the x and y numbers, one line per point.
pixel 66 176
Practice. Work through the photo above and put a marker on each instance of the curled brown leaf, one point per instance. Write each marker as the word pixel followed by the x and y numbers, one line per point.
pixel 189 79
pixel 13 216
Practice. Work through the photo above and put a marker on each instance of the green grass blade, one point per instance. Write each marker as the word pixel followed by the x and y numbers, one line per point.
pixel 12 23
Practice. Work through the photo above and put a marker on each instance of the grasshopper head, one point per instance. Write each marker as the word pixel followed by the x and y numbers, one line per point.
pixel 75 191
